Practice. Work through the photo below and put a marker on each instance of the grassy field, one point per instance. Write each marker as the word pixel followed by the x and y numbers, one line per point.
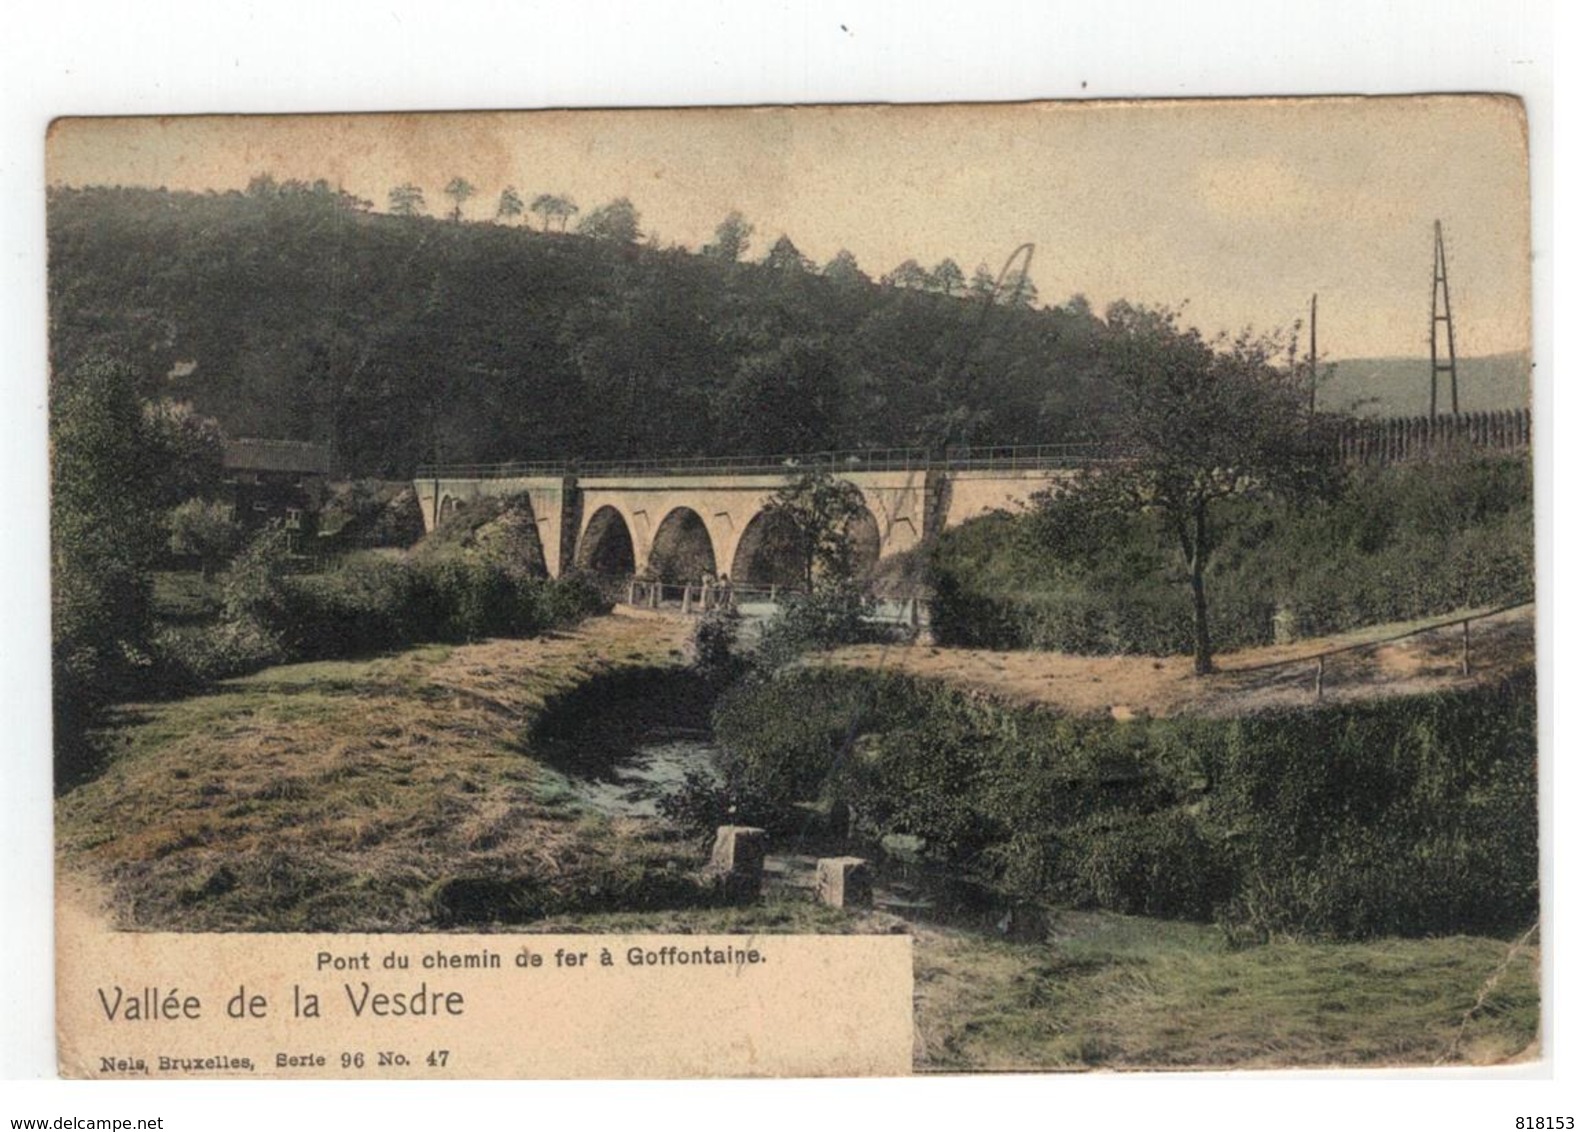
pixel 1119 992
pixel 347 795
pixel 1127 993
pixel 1244 682
pixel 369 794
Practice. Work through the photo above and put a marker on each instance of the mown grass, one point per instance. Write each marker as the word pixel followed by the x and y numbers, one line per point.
pixel 1130 993
pixel 347 795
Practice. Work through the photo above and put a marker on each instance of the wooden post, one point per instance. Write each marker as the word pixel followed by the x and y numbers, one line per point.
pixel 687 598
pixel 632 591
pixel 1320 679
pixel 1465 647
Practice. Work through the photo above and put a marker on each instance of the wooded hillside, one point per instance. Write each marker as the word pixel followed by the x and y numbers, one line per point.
pixel 292 311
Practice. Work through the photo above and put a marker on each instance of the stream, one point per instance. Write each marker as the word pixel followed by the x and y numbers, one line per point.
pixel 617 768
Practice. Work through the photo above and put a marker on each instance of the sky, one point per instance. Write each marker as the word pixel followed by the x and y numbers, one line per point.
pixel 1236 210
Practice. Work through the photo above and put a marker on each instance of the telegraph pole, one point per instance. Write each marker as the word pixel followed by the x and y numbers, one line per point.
pixel 1441 312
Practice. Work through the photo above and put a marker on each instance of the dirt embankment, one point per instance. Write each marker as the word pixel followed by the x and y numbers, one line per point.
pixel 1387 663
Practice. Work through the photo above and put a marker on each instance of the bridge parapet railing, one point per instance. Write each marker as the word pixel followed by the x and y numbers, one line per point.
pixel 837 462
pixel 700 597
pixel 1031 456
pixel 874 459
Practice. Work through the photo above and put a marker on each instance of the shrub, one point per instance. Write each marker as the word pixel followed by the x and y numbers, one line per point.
pixel 1415 815
pixel 1154 864
pixel 255 589
pixel 1396 543
pixel 364 605
pixel 206 531
pixel 714 647
pixel 833 613
pixel 188 656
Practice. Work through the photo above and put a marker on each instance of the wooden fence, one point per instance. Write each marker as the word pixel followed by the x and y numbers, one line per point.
pixel 1414 438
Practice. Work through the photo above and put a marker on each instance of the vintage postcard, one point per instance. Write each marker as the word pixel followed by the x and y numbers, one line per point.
pixel 795 591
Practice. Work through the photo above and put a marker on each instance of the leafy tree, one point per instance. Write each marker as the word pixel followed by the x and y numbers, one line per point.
pixel 947 278
pixel 983 285
pixel 510 206
pixel 816 511
pixel 104 540
pixel 549 206
pixel 460 190
pixel 1204 422
pixel 1018 291
pixel 616 221
pixel 207 530
pixel 786 398
pixel 784 256
pixel 843 269
pixel 192 448
pixel 407 200
pixel 731 238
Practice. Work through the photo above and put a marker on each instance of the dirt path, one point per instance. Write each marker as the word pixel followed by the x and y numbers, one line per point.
pixel 1127 686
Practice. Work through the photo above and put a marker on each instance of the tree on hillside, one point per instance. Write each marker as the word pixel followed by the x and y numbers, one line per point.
pixel 460 190
pixel 983 285
pixel 510 206
pixel 843 269
pixel 1203 422
pixel 816 510
pixel 616 221
pixel 731 238
pixel 551 207
pixel 907 275
pixel 1018 291
pixel 407 200
pixel 947 278
pixel 784 256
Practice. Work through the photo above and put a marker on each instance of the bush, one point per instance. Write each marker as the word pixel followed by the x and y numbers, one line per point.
pixel 781 745
pixel 714 652
pixel 189 657
pixel 701 804
pixel 1407 816
pixel 1397 543
pixel 255 590
pixel 204 530
pixel 1410 816
pixel 833 613
pixel 1156 864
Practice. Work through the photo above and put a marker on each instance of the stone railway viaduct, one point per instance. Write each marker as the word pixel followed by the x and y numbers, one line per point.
pixel 675 523
pixel 677 520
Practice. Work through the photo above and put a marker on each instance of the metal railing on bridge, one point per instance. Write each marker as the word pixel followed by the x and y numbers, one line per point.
pixel 1004 456
pixel 707 597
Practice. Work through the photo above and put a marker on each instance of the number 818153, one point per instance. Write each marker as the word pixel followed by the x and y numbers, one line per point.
pixel 1544 1124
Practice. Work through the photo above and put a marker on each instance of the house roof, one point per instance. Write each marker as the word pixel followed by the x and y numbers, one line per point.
pixel 277 456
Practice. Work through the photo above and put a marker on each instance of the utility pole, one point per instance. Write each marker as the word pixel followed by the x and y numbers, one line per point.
pixel 1441 312
pixel 1314 371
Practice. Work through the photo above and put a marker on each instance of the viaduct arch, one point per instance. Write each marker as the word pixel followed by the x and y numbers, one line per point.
pixel 681 525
